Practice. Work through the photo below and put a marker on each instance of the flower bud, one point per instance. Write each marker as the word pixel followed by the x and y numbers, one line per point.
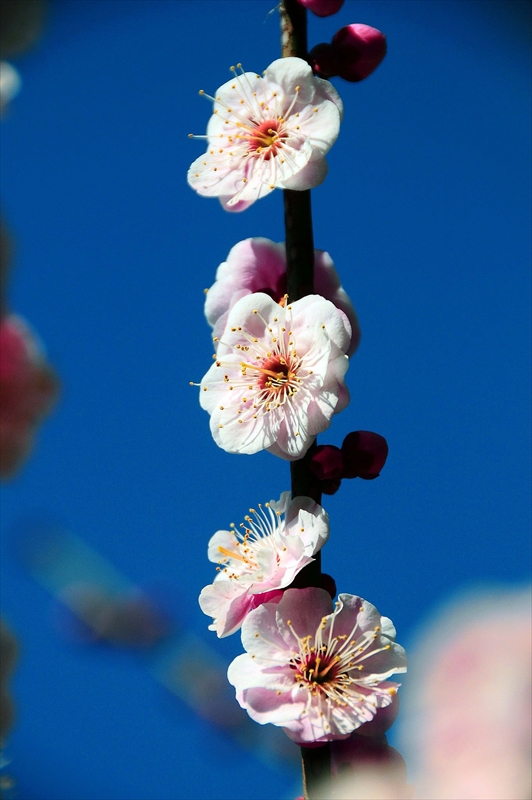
pixel 359 49
pixel 323 60
pixel 28 390
pixel 330 487
pixel 329 584
pixel 364 454
pixel 322 8
pixel 327 462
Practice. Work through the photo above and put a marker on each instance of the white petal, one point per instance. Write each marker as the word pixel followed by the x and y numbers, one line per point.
pixel 311 175
pixel 211 176
pixel 320 125
pixel 326 89
pixel 224 539
pixel 268 644
pixel 289 73
pixel 388 628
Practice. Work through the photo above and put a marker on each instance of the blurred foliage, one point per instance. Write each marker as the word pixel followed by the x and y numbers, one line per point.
pixel 21 25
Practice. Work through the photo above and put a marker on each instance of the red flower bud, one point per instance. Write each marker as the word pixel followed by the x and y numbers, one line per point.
pixel 323 60
pixel 364 455
pixel 28 390
pixel 330 487
pixel 329 584
pixel 322 8
pixel 359 49
pixel 327 462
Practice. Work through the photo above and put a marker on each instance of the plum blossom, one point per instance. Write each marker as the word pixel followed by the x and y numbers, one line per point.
pixel 316 671
pixel 28 389
pixel 259 265
pixel 467 715
pixel 262 557
pixel 10 83
pixel 278 375
pixel 267 132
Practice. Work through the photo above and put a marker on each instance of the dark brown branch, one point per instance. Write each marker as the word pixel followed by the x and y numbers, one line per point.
pixel 316 762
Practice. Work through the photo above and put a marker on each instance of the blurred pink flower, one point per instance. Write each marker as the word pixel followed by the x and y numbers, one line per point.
pixel 467 713
pixel 275 543
pixel 259 265
pixel 267 132
pixel 278 376
pixel 28 389
pixel 316 671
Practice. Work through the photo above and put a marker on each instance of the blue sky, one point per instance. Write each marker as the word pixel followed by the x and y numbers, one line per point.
pixel 426 214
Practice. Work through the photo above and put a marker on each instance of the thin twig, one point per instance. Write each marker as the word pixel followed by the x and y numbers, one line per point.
pixel 316 762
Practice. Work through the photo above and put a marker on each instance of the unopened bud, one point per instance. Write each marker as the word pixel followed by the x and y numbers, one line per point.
pixel 364 454
pixel 330 487
pixel 322 58
pixel 329 584
pixel 322 8
pixel 327 462
pixel 359 49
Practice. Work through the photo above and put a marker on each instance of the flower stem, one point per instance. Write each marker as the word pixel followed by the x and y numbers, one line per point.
pixel 316 762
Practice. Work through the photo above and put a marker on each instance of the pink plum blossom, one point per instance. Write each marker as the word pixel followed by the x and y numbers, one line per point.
pixel 28 389
pixel 467 726
pixel 264 556
pixel 278 376
pixel 267 132
pixel 259 265
pixel 316 671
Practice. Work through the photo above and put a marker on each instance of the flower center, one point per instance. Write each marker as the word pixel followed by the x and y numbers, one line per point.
pixel 267 135
pixel 276 375
pixel 317 670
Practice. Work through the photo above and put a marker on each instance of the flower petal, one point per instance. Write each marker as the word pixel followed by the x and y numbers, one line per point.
pixel 310 176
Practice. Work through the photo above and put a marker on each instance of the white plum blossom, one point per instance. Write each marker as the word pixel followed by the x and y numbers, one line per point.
pixel 267 132
pixel 316 671
pixel 262 556
pixel 10 83
pixel 259 265
pixel 278 375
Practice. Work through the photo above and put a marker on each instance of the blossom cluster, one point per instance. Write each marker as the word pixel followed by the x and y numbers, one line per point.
pixel 317 668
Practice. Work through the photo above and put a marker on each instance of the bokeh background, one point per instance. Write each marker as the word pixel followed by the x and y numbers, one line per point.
pixel 426 213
